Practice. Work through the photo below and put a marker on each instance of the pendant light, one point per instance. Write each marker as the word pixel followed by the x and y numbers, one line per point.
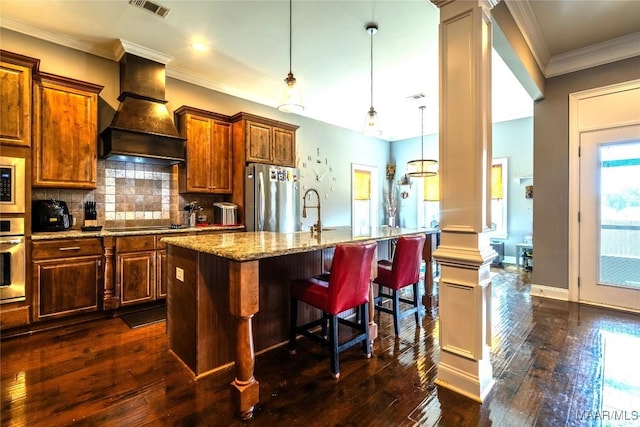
pixel 422 167
pixel 372 124
pixel 291 101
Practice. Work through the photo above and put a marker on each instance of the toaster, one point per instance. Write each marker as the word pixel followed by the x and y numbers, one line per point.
pixel 224 213
pixel 50 215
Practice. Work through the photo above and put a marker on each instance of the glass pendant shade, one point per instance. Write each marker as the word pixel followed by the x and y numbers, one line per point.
pixel 372 124
pixel 422 167
pixel 291 101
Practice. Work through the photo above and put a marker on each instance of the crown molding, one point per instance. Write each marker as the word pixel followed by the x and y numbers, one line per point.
pixel 52 37
pixel 124 46
pixel 591 56
pixel 525 20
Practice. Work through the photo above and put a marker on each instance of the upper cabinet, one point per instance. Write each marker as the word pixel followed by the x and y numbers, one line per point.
pixel 16 73
pixel 65 132
pixel 208 165
pixel 265 140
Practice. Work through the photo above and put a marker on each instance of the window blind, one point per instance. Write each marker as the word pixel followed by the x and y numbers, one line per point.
pixel 362 185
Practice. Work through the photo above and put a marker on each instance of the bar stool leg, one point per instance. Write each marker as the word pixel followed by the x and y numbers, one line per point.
pixel 366 346
pixel 396 312
pixel 333 332
pixel 293 319
pixel 416 304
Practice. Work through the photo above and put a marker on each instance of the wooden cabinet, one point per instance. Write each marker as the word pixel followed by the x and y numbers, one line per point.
pixel 208 165
pixel 65 132
pixel 66 276
pixel 136 269
pixel 16 73
pixel 260 140
pixel 265 140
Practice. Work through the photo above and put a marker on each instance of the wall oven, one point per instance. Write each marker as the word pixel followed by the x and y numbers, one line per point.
pixel 12 260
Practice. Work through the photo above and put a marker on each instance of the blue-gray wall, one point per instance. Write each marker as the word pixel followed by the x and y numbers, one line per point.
pixel 511 139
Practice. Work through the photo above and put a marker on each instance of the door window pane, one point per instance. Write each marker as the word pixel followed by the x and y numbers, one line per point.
pixel 620 214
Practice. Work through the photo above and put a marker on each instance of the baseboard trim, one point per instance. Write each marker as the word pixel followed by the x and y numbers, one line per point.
pixel 549 292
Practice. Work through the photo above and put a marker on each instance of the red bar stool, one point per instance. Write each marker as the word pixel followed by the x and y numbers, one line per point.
pixel 347 288
pixel 403 271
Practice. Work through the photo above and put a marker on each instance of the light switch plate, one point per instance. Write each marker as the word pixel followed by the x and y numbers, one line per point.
pixel 180 274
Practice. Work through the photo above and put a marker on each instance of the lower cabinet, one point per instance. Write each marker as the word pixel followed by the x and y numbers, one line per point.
pixel 140 269
pixel 136 269
pixel 66 276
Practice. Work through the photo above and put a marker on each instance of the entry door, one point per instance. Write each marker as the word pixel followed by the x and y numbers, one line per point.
pixel 610 217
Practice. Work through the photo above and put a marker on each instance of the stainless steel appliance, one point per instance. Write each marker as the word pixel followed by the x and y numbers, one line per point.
pixel 50 215
pixel 225 213
pixel 12 176
pixel 272 198
pixel 12 260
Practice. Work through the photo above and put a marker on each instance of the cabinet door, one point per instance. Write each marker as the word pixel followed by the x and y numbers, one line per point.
pixel 258 142
pixel 65 137
pixel 222 158
pixel 136 277
pixel 65 286
pixel 198 162
pixel 283 149
pixel 15 108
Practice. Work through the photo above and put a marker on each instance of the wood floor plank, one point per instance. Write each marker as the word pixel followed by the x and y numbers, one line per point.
pixel 549 360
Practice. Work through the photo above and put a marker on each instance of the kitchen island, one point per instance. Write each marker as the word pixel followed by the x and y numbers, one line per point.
pixel 219 283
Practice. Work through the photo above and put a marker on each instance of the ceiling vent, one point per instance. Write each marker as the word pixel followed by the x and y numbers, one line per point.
pixel 416 96
pixel 151 7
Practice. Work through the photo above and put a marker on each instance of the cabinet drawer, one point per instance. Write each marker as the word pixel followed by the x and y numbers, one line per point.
pixel 135 243
pixel 65 248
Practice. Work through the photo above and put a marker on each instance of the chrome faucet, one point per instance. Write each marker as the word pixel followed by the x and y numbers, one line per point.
pixel 317 226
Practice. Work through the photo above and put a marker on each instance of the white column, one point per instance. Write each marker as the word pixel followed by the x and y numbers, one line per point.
pixel 465 252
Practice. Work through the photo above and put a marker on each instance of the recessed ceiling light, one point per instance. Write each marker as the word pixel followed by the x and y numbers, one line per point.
pixel 199 46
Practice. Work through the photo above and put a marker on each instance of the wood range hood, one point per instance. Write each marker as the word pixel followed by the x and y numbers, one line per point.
pixel 142 129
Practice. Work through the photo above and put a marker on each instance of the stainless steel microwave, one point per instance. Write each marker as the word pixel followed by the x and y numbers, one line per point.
pixel 12 186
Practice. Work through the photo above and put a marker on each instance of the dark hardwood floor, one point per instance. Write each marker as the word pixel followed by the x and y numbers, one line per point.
pixel 555 364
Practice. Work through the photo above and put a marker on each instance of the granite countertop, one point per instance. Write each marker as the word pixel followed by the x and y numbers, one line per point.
pixel 249 246
pixel 141 231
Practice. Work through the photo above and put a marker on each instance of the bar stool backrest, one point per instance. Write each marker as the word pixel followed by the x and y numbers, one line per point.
pixel 406 261
pixel 350 275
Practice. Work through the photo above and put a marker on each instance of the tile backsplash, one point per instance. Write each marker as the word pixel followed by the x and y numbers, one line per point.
pixel 131 194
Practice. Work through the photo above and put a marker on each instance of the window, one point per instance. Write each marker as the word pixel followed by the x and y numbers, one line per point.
pixel 364 200
pixel 431 201
pixel 499 192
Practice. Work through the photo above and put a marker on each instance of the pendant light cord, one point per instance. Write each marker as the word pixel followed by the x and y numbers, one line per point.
pixel 422 141
pixel 290 32
pixel 371 31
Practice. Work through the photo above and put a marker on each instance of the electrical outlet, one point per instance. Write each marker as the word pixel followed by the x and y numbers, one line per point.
pixel 180 274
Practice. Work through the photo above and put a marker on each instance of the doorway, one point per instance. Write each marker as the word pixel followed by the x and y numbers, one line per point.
pixel 610 217
pixel 364 198
pixel 604 226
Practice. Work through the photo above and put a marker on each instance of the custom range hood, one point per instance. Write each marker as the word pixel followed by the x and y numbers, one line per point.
pixel 142 129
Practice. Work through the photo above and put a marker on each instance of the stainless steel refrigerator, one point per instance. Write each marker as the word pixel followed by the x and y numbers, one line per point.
pixel 272 198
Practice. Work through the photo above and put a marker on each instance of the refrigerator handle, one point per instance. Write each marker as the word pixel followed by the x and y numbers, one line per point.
pixel 261 202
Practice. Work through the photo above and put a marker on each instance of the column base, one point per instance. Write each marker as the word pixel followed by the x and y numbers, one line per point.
pixel 474 385
pixel 244 397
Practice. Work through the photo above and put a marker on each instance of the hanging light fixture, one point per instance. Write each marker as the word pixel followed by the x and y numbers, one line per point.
pixel 291 101
pixel 422 167
pixel 372 124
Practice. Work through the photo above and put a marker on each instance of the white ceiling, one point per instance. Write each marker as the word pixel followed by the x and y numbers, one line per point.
pixel 248 48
